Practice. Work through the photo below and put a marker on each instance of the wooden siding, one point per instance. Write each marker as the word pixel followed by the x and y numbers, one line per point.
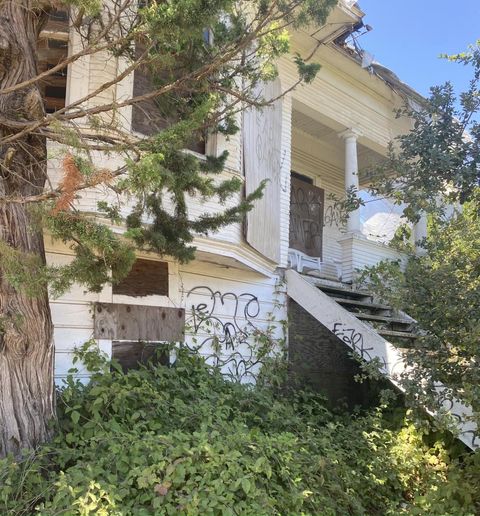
pixel 234 303
pixel 359 252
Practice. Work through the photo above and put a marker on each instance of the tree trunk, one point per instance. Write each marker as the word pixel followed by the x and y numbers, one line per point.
pixel 26 330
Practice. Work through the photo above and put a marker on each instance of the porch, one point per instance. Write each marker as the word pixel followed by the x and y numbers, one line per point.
pixel 328 161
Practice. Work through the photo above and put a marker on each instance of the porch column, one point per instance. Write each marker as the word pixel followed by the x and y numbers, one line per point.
pixel 350 137
pixel 419 233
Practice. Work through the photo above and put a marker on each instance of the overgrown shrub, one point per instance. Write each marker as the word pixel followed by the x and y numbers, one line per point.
pixel 183 441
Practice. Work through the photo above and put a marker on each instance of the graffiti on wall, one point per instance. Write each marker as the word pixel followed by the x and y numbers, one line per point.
pixel 223 325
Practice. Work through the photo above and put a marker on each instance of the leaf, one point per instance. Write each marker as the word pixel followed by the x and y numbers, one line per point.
pixel 75 416
pixel 246 485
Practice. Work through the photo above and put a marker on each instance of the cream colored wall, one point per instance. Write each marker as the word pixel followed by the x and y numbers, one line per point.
pixel 345 96
pixel 359 252
pixel 342 96
pixel 85 76
pixel 238 302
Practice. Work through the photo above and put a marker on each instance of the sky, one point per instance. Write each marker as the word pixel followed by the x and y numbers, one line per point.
pixel 409 35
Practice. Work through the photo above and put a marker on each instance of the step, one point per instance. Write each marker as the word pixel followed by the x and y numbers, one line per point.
pixel 399 334
pixel 343 290
pixel 364 304
pixel 382 318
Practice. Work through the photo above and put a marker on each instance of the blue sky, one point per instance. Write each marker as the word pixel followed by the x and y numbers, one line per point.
pixel 409 35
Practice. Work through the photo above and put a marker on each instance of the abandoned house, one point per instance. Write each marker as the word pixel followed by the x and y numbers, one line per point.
pixel 293 259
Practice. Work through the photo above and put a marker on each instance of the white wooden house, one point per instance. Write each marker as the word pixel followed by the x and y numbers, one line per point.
pixel 314 142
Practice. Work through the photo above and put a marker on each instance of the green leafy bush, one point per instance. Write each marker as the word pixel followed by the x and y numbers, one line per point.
pixel 183 441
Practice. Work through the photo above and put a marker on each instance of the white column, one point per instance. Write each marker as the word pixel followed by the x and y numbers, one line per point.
pixel 351 175
pixel 420 232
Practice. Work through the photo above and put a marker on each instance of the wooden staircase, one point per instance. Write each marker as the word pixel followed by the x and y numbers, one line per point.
pixel 384 319
pixel 374 331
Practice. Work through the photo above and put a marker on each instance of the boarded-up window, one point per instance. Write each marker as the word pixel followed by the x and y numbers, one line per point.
pixel 147 117
pixel 119 321
pixel 262 147
pixel 147 278
pixel 52 50
pixel 306 217
pixel 130 355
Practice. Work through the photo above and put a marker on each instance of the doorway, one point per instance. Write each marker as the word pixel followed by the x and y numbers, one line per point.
pixel 307 203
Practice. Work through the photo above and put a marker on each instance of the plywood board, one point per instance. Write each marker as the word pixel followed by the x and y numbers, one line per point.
pixel 138 323
pixel 146 278
pixel 262 143
pixel 306 217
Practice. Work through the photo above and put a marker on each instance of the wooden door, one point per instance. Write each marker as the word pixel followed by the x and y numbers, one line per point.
pixel 306 217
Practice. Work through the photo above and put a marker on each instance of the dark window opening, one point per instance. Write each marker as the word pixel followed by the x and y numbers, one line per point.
pixel 131 355
pixel 148 118
pixel 56 92
pixel 52 50
pixel 147 278
pixel 58 17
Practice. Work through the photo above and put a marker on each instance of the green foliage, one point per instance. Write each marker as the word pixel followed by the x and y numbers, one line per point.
pixel 100 256
pixel 183 441
pixel 174 175
pixel 441 290
pixel 22 270
pixel 387 280
pixel 438 162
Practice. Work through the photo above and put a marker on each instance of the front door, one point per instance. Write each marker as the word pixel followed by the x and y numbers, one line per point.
pixel 306 216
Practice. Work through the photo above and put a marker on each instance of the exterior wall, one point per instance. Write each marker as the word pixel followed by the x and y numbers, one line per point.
pixel 235 286
pixel 320 360
pixel 359 252
pixel 224 306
